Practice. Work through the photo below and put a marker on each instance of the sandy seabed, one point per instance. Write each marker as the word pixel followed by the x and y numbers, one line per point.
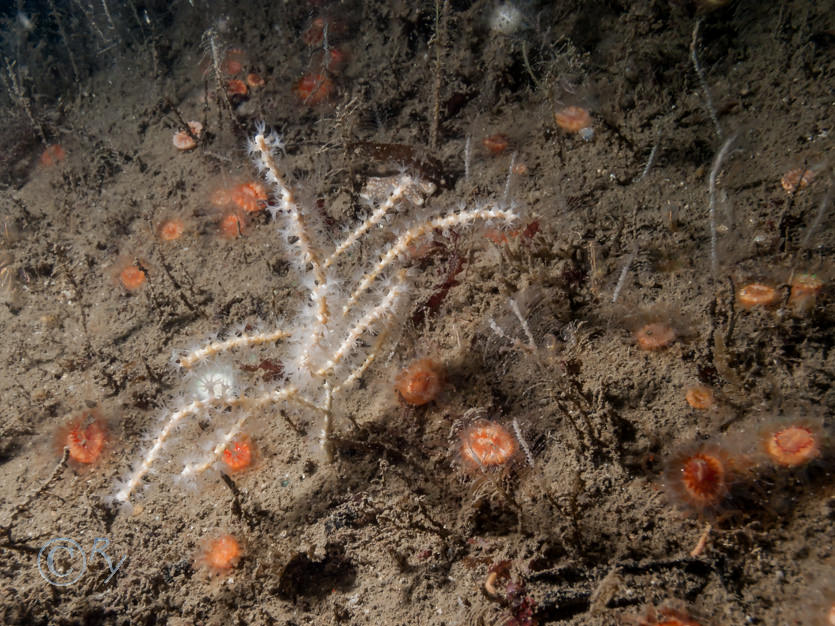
pixel 584 527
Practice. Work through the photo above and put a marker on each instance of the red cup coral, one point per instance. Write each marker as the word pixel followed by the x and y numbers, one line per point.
pixel 220 554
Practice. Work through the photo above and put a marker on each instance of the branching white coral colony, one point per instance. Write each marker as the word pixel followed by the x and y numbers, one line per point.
pixel 341 327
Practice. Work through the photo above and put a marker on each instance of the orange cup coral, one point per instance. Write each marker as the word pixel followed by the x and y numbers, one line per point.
pixel 313 88
pixel 232 224
pixel 496 144
pixel 756 295
pixel 254 81
pixel 220 554
pixel 236 87
pixel 184 140
pixel 52 155
pixel 486 445
pixel 85 436
pixel 700 397
pixel 132 277
pixel 171 229
pixel 573 119
pixel 655 336
pixel 699 478
pixel 804 293
pixel 239 454
pixel 791 443
pixel 420 382
pixel 796 179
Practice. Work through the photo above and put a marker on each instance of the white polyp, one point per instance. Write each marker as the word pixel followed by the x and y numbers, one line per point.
pixel 215 382
pixel 506 19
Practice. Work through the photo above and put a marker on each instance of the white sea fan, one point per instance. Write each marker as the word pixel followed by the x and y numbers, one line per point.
pixel 351 307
